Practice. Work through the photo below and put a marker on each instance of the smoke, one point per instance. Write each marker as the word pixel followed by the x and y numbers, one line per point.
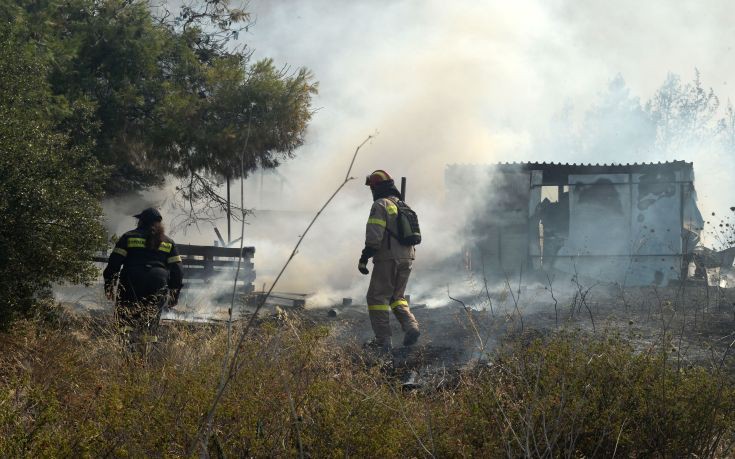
pixel 455 82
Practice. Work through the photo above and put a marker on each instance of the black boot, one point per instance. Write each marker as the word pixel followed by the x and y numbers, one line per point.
pixel 411 337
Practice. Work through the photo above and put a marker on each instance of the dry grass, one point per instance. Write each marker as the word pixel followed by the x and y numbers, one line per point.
pixel 70 390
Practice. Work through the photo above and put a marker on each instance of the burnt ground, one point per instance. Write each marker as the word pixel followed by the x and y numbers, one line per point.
pixel 695 323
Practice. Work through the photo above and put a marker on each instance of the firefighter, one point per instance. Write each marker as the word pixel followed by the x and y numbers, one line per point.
pixel 392 264
pixel 150 277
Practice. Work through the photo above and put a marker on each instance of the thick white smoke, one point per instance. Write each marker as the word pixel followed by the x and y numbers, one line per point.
pixel 454 82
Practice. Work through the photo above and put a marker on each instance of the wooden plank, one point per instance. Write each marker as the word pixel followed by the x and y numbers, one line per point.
pixel 205 251
pixel 217 269
pixel 190 262
pixel 211 251
pixel 223 263
pixel 223 275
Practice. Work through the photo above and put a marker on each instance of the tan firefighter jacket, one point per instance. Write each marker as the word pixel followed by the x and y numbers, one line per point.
pixel 380 225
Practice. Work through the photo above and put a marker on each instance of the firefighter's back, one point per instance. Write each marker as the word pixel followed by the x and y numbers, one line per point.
pixel 145 268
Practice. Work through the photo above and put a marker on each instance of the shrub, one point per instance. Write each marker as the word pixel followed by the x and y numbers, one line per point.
pixel 72 391
pixel 49 192
pixel 575 396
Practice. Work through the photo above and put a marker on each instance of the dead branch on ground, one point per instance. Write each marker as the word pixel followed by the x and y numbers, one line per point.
pixel 550 280
pixel 467 310
pixel 484 280
pixel 583 293
pixel 516 297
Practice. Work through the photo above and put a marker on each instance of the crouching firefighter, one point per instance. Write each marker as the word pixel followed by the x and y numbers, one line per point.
pixel 150 279
pixel 391 234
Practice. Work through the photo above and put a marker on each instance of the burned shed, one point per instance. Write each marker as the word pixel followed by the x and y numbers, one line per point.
pixel 634 224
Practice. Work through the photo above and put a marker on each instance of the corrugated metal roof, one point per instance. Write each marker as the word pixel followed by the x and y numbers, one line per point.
pixel 659 163
pixel 558 173
pixel 581 168
pixel 526 164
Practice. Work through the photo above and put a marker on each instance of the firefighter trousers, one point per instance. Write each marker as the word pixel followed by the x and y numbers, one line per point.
pixel 385 294
pixel 142 296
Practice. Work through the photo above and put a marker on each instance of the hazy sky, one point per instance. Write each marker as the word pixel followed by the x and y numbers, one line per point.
pixel 476 81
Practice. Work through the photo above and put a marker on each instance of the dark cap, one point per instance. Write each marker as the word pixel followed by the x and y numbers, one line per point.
pixel 149 215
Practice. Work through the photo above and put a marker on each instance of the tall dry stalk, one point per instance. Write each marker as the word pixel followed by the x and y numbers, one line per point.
pixel 228 348
pixel 234 361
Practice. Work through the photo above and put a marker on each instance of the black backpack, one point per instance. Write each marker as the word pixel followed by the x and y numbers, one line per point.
pixel 407 222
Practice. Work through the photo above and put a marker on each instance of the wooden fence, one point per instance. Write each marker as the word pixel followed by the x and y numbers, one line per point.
pixel 204 265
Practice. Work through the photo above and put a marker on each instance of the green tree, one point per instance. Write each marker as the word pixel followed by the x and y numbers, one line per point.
pixel 170 93
pixel 49 188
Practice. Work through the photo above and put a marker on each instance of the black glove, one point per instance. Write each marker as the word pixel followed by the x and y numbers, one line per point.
pixel 367 253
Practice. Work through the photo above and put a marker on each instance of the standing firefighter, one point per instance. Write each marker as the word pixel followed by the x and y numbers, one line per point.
pixel 151 274
pixel 388 242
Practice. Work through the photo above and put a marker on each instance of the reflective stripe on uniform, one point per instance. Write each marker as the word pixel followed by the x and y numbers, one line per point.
pixel 174 259
pixel 379 307
pixel 398 303
pixel 165 247
pixel 136 243
pixel 120 251
pixel 376 221
pixel 392 209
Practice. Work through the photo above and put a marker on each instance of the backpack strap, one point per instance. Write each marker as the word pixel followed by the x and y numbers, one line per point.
pixel 392 236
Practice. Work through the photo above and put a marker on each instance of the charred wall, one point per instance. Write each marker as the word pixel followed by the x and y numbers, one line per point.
pixel 630 224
